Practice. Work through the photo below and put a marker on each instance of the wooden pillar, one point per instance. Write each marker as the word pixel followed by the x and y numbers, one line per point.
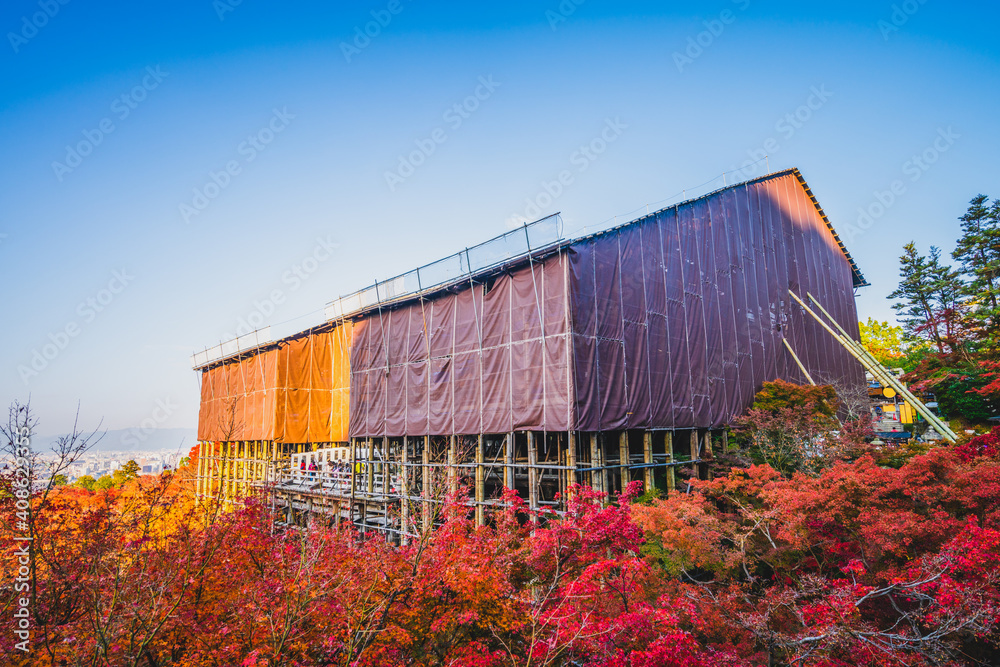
pixel 508 461
pixel 404 492
pixel 480 482
pixel 695 444
pixel 198 479
pixel 623 459
pixel 647 458
pixel 707 453
pixel 370 469
pixel 668 446
pixel 452 461
pixel 354 471
pixel 595 478
pixel 571 462
pixel 426 483
pixel 532 472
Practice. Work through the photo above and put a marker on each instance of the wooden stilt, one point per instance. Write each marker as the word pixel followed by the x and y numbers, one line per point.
pixel 404 492
pixel 593 476
pixel 480 482
pixel 668 445
pixel 452 460
pixel 623 459
pixel 426 483
pixel 532 472
pixel 647 458
pixel 508 460
pixel 370 469
pixel 706 453
pixel 571 462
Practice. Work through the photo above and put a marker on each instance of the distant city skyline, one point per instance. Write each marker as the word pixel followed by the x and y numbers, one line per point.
pixel 175 172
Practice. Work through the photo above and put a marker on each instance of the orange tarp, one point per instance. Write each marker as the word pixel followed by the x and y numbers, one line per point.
pixel 298 392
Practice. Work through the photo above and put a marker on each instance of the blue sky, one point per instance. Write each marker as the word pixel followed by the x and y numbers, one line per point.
pixel 244 175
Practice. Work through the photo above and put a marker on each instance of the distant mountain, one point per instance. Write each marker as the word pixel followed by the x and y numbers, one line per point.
pixel 132 439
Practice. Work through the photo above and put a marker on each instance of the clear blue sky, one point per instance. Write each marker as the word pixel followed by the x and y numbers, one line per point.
pixel 330 121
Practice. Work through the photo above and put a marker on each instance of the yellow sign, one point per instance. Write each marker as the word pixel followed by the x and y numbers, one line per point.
pixel 888 408
pixel 889 392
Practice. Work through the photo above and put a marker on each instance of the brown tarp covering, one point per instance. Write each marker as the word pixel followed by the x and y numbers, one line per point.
pixel 678 318
pixel 676 321
pixel 488 359
pixel 296 392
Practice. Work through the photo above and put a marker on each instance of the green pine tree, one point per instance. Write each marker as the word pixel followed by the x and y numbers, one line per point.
pixel 978 251
pixel 915 297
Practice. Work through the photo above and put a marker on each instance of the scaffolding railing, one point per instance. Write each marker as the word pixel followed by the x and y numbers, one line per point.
pixel 517 243
pixel 250 341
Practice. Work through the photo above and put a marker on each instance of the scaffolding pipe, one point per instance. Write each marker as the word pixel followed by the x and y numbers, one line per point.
pixel 796 358
pixel 936 421
pixel 877 370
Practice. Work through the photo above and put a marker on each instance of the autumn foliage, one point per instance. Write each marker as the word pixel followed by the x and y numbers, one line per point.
pixel 854 565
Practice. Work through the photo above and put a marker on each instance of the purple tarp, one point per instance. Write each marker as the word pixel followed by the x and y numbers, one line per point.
pixel 673 321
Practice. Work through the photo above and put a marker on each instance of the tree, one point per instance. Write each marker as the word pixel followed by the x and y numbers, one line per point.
pixel 929 300
pixel 85 482
pixel 59 480
pixel 978 251
pixel 860 565
pixel 783 427
pixel 125 474
pixel 887 344
pixel 104 482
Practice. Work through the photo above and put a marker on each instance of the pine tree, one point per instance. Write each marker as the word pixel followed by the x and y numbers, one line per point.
pixel 978 251
pixel 915 294
pixel 929 299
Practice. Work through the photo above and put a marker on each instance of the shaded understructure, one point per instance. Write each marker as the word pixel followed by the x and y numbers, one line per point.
pixel 614 357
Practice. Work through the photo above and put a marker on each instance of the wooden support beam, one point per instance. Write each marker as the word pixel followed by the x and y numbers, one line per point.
pixel 695 450
pixel 706 453
pixel 647 458
pixel 452 460
pixel 595 476
pixel 508 461
pixel 480 481
pixel 426 483
pixel 623 461
pixel 370 469
pixel 532 472
pixel 668 445
pixel 404 503
pixel 571 462
pixel 354 472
